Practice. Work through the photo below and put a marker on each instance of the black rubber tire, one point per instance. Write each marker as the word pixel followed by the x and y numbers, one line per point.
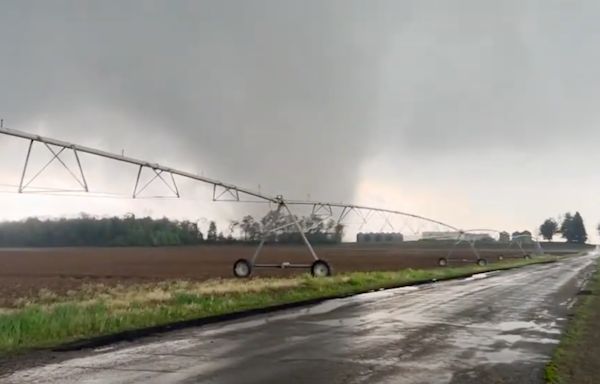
pixel 443 262
pixel 482 262
pixel 527 257
pixel 500 257
pixel 320 268
pixel 242 268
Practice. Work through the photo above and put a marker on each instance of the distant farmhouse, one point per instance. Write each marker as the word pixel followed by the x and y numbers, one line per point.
pixel 453 235
pixel 524 237
pixel 379 237
pixel 446 235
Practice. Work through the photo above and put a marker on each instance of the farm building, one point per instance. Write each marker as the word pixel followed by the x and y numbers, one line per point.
pixel 450 235
pixel 524 237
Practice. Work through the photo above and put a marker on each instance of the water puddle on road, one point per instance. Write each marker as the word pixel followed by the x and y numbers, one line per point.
pixel 508 342
pixel 513 326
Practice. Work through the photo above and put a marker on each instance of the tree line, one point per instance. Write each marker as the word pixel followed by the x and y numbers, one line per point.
pixel 571 228
pixel 130 230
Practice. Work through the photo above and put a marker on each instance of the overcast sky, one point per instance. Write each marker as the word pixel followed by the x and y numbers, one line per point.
pixel 477 113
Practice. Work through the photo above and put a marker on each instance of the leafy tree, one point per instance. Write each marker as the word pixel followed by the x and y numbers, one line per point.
pixel 339 232
pixel 211 235
pixel 275 220
pixel 250 228
pixel 566 227
pixel 548 229
pixel 233 224
pixel 90 231
pixel 255 231
pixel 318 231
pixel 573 228
pixel 130 230
pixel 578 230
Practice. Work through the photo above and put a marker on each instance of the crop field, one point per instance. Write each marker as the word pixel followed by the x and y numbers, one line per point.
pixel 26 272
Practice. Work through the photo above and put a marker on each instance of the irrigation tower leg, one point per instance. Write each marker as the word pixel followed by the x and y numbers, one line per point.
pixel 456 244
pixel 25 166
pixel 474 249
pixel 258 249
pixel 299 227
pixel 264 238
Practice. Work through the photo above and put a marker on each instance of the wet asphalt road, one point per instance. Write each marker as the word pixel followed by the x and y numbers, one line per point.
pixel 492 328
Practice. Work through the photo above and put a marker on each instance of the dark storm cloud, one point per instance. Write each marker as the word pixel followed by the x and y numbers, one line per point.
pixel 294 95
pixel 473 75
pixel 278 93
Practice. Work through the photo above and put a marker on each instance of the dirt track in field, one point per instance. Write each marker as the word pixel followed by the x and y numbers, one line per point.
pixel 24 272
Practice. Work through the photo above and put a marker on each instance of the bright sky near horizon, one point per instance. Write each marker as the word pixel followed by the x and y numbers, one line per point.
pixel 476 113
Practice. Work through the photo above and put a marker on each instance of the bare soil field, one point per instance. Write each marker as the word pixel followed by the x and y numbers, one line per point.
pixel 24 272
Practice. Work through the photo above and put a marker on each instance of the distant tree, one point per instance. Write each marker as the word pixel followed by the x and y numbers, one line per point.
pixel 245 225
pixel 233 224
pixel 221 237
pixel 255 231
pixel 578 230
pixel 339 232
pixel 548 229
pixel 573 229
pixel 566 227
pixel 504 237
pixel 211 235
pixel 87 230
pixel 273 220
pixel 250 228
pixel 313 224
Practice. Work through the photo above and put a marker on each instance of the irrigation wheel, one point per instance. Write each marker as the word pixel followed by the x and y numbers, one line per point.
pixel 320 268
pixel 242 268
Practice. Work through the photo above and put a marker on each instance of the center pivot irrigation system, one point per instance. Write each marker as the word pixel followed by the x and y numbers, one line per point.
pixel 220 192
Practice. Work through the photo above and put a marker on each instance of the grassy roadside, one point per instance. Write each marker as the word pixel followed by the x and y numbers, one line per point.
pixel 48 320
pixel 577 358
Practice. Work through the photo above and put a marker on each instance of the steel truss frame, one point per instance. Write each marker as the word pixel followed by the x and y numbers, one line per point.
pixel 518 240
pixel 81 180
pixel 461 239
pixel 221 192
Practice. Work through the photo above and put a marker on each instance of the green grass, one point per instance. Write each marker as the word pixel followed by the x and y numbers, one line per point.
pixel 576 359
pixel 49 320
